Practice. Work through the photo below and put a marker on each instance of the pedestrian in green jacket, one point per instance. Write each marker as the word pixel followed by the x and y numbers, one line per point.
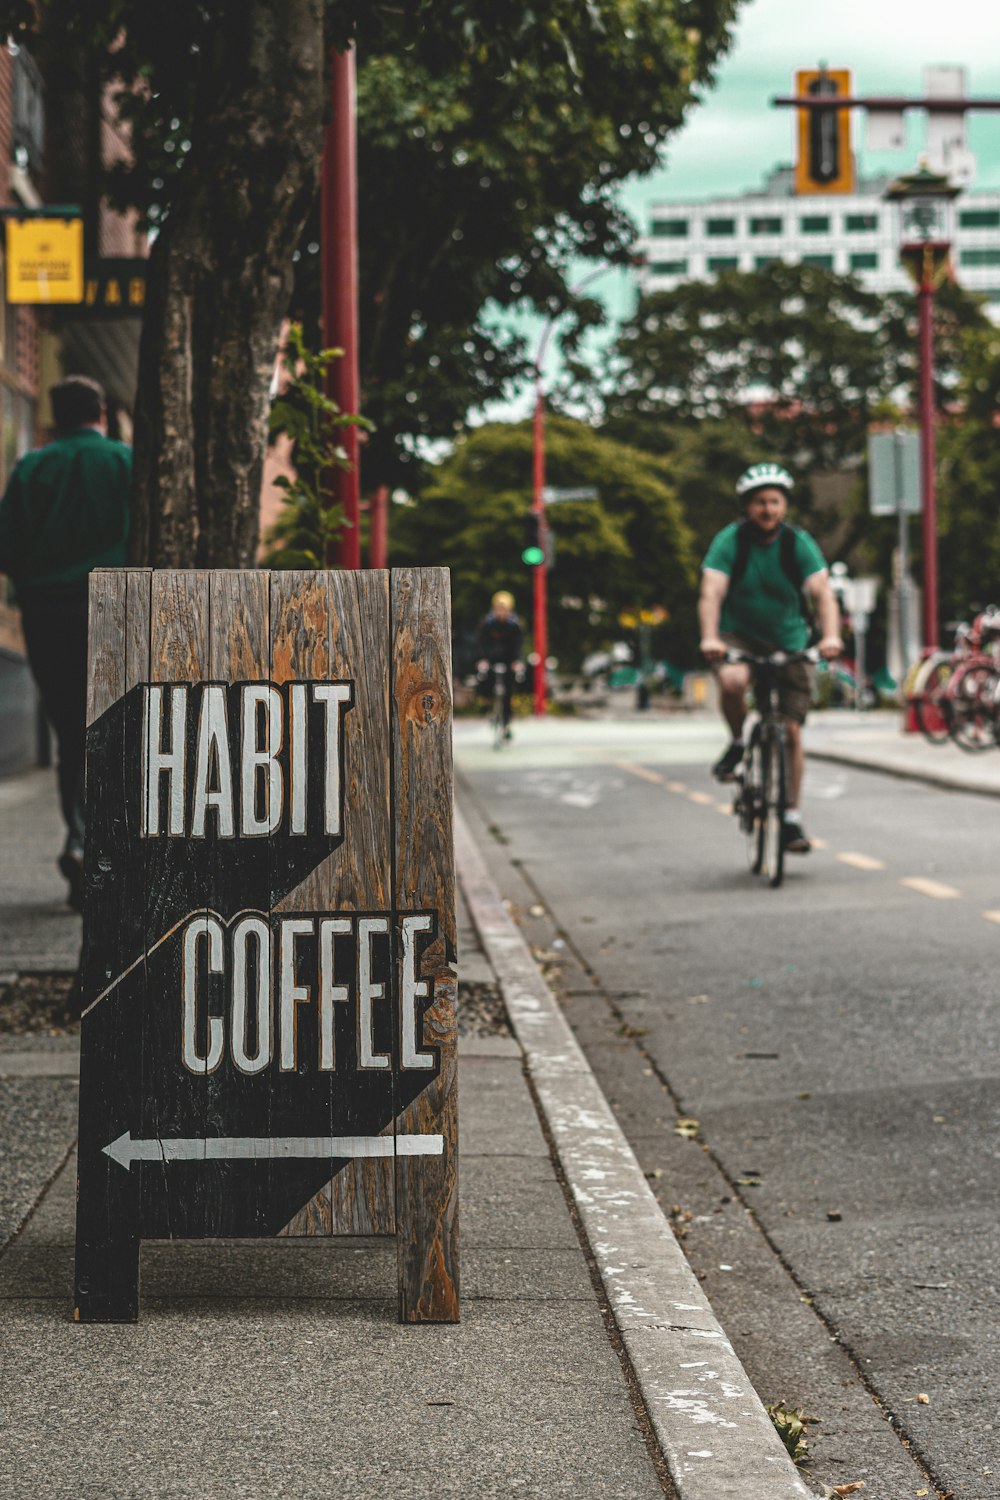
pixel 65 512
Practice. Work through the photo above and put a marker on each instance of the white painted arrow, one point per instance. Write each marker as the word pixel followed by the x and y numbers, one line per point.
pixel 271 1148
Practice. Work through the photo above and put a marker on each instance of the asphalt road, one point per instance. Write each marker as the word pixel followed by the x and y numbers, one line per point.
pixel 836 1042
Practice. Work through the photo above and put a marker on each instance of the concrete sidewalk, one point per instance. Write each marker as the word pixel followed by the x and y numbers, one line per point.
pixel 277 1368
pixel 876 742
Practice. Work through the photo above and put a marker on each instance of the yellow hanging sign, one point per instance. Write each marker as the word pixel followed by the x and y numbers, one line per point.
pixel 44 260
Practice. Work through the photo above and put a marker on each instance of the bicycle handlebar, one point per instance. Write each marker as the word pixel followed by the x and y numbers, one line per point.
pixel 773 659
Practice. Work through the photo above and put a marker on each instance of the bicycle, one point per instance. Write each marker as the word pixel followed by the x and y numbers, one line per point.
pixel 761 798
pixel 952 692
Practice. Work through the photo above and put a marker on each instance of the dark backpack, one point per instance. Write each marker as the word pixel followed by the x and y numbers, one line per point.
pixel 788 556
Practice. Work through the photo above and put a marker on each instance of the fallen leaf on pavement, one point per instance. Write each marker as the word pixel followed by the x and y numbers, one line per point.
pixel 848 1489
pixel 924 1400
pixel 687 1128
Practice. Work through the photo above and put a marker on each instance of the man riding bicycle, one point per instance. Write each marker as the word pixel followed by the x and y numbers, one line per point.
pixel 501 640
pixel 756 576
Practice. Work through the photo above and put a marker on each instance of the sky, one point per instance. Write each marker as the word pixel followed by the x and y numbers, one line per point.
pixel 734 137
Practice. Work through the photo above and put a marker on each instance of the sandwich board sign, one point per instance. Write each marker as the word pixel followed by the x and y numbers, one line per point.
pixel 268 1042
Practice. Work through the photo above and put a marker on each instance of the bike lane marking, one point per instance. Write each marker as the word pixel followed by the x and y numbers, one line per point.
pixel 704 799
pixel 934 888
pixel 643 771
pixel 991 916
pixel 861 861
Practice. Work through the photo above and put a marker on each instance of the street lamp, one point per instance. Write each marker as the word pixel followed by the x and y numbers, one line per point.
pixel 541 618
pixel 924 207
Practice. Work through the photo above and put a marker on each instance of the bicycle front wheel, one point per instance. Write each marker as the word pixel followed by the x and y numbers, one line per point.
pixel 750 802
pixel 931 706
pixel 972 699
pixel 771 847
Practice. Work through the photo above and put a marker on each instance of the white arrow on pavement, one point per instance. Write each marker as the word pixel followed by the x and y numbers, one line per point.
pixel 271 1148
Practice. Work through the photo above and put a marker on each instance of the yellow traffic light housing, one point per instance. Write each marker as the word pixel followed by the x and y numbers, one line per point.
pixel 825 161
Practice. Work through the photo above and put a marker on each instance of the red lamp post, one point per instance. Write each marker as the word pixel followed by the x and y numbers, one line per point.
pixel 924 200
pixel 339 236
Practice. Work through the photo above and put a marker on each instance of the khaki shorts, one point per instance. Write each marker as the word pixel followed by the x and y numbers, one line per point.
pixel 796 682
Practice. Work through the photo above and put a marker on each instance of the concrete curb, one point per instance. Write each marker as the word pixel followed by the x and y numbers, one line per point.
pixel 903 770
pixel 713 1431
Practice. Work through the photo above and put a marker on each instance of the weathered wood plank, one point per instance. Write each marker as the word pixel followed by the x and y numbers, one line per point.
pixel 108 1200
pixel 300 650
pixel 173 1199
pixel 106 641
pixel 354 609
pixel 427 1187
pixel 236 1194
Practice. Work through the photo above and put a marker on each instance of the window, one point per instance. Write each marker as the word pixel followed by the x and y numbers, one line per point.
pixel 979 257
pixel 760 261
pixel 979 218
pixel 765 226
pixel 670 229
pixel 864 260
pixel 720 226
pixel 825 262
pixel 723 263
pixel 815 224
pixel 669 267
pixel 860 223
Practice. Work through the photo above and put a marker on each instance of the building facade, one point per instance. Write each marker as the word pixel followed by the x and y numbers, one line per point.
pixel 696 239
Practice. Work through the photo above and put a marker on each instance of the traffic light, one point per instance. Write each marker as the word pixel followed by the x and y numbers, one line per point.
pixel 532 539
pixel 825 163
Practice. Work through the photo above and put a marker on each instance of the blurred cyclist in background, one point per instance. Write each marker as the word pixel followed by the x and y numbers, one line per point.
pixel 501 639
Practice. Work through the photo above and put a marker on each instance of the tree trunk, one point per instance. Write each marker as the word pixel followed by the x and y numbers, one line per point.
pixel 219 285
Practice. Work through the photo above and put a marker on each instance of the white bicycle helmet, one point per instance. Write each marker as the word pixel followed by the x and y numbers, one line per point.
pixel 760 475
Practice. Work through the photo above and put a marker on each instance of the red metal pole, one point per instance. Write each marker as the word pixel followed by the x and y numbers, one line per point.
pixel 541 619
pixel 925 303
pixel 378 520
pixel 339 218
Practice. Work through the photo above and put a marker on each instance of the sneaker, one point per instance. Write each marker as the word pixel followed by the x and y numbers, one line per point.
pixel 725 766
pixel 794 839
pixel 71 865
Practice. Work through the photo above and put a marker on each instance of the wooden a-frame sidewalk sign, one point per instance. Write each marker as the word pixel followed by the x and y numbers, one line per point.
pixel 269 984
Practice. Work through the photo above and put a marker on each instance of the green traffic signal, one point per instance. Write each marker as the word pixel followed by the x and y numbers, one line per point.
pixel 532 539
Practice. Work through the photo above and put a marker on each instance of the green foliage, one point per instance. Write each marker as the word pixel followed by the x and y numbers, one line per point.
pixel 491 147
pixel 791 1425
pixel 628 548
pixel 799 356
pixel 310 519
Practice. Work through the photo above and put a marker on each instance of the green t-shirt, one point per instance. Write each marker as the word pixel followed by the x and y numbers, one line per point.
pixel 764 607
pixel 65 511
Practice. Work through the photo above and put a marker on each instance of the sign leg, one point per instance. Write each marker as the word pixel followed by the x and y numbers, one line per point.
pixel 107 1243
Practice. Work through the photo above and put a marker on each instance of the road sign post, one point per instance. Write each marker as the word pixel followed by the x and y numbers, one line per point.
pixel 894 488
pixel 859 595
pixel 268 1038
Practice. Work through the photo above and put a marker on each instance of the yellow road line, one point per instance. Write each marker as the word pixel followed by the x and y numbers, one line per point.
pixel 725 808
pixel 992 916
pixel 861 861
pixel 702 798
pixel 643 771
pixel 675 786
pixel 935 888
pixel 820 844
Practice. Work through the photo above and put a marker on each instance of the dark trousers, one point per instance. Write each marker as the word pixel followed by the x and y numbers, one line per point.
pixel 55 630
